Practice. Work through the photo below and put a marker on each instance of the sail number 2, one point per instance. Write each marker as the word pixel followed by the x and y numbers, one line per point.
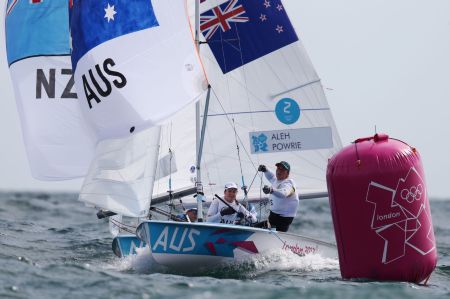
pixel 287 105
pixel 178 239
pixel 287 111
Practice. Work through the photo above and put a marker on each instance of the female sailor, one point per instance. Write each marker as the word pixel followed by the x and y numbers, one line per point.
pixel 230 212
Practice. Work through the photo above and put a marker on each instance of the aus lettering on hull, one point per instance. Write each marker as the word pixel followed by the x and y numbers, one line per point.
pixel 168 240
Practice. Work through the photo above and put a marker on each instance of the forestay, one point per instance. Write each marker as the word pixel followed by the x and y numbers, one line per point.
pixel 58 143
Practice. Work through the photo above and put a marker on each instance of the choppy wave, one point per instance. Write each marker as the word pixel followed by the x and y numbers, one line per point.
pixel 51 246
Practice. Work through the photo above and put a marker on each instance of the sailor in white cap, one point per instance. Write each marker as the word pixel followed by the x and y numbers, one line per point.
pixel 282 195
pixel 231 211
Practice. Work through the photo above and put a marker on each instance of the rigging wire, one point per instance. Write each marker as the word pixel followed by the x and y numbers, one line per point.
pixel 260 198
pixel 123 226
pixel 170 177
pixel 230 123
pixel 244 187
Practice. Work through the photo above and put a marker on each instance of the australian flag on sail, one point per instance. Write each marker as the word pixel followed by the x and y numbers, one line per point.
pixel 241 31
pixel 94 22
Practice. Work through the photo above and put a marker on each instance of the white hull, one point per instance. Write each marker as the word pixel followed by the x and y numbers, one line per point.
pixel 192 247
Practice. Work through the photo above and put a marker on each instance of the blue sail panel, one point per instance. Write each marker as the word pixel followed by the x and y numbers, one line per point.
pixel 241 31
pixel 25 19
pixel 121 16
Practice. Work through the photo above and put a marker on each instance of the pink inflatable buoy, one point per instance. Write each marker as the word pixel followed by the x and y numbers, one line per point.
pixel 380 210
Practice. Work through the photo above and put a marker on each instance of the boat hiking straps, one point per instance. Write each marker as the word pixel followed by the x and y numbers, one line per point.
pixel 167 214
pixel 105 214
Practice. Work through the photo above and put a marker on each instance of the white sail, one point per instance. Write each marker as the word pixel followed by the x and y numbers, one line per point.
pixel 121 176
pixel 177 156
pixel 136 66
pixel 267 96
pixel 58 143
pixel 270 105
pixel 135 63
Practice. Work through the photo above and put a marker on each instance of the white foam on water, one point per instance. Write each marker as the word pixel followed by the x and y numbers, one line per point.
pixel 141 263
pixel 275 260
pixel 288 261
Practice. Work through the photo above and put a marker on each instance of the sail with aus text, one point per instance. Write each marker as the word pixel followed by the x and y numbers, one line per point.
pixel 136 65
pixel 128 59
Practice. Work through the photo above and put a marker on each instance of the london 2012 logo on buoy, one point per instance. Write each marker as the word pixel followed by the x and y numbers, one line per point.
pixel 401 215
pixel 287 111
pixel 411 194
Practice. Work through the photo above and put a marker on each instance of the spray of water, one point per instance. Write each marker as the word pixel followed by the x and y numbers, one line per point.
pixel 288 261
pixel 257 265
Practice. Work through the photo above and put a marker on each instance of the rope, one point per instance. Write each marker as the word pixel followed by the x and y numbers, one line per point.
pixel 249 187
pixel 122 226
pixel 240 166
pixel 170 174
pixel 260 196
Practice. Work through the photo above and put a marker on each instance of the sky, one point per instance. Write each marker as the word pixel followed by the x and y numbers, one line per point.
pixel 382 63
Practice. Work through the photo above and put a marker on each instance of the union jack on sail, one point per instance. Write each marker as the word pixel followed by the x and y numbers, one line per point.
pixel 13 3
pixel 11 6
pixel 233 12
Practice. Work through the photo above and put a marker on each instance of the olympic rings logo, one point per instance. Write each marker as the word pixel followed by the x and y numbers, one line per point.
pixel 411 194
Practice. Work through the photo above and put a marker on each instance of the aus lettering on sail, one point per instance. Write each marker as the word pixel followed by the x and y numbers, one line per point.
pixel 109 78
pixel 128 57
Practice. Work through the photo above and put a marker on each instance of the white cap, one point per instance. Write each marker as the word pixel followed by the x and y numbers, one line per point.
pixel 231 185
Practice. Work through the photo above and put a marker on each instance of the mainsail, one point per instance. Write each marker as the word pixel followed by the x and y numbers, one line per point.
pixel 58 143
pixel 267 98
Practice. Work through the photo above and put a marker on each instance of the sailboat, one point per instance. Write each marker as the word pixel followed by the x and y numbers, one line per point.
pixel 186 96
pixel 250 115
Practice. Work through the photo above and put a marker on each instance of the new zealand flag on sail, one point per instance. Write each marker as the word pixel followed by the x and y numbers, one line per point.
pixel 94 22
pixel 36 28
pixel 241 31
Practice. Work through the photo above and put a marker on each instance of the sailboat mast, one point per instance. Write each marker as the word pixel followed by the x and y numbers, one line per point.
pixel 197 124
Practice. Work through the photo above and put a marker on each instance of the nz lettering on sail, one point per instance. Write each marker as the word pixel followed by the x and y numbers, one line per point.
pixel 109 78
pixel 46 81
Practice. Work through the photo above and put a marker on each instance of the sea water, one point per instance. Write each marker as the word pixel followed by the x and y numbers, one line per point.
pixel 51 246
